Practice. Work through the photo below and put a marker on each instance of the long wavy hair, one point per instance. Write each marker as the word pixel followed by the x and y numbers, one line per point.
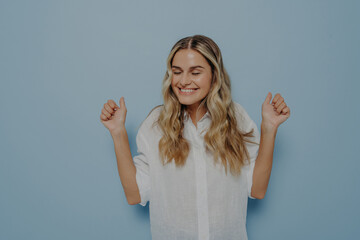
pixel 223 138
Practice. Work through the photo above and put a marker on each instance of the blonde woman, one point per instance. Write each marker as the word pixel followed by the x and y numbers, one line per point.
pixel 200 155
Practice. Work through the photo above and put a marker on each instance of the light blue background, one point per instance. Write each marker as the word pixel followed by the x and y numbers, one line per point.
pixel 60 61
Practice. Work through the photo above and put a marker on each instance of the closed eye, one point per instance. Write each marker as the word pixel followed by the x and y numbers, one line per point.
pixel 176 73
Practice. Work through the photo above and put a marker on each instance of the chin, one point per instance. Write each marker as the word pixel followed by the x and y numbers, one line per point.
pixel 185 103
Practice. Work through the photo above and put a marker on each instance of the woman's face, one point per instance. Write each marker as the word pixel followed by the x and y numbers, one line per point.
pixel 191 79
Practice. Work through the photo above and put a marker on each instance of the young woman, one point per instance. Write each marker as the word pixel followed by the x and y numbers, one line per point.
pixel 200 154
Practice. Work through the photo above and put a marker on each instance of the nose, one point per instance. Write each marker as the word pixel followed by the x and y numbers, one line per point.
pixel 185 80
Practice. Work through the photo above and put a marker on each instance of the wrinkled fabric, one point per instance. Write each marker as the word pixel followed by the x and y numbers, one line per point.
pixel 196 201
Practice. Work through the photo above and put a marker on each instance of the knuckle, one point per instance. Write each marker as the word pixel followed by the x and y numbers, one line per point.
pixel 107 108
pixel 106 113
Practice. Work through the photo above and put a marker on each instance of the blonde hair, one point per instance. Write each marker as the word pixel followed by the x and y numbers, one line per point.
pixel 223 138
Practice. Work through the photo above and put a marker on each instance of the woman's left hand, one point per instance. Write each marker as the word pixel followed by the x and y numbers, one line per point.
pixel 274 113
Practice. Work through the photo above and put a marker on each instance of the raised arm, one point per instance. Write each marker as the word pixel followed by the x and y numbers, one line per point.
pixel 273 114
pixel 113 118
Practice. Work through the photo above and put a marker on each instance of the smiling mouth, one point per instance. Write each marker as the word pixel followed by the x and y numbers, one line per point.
pixel 187 90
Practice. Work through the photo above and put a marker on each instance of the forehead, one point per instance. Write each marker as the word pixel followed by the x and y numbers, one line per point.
pixel 188 57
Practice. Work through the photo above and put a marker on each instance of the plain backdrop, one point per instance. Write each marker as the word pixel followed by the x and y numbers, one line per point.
pixel 60 61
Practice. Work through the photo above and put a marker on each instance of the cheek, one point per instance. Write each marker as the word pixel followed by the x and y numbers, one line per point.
pixel 205 82
pixel 173 81
pixel 173 85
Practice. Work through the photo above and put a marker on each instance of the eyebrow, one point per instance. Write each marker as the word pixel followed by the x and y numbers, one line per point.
pixel 193 67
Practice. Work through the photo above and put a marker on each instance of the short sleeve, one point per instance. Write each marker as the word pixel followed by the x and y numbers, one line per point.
pixel 142 166
pixel 253 150
pixel 247 125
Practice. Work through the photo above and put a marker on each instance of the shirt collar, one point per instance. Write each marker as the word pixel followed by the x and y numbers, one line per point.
pixel 206 115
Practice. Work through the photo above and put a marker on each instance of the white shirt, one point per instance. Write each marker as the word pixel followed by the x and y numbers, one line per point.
pixel 197 201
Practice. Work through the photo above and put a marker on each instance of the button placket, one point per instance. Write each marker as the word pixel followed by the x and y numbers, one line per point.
pixel 201 186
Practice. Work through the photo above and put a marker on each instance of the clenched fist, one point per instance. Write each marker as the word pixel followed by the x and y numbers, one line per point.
pixel 274 113
pixel 112 116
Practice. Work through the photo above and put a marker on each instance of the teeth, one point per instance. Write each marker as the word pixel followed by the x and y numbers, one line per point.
pixel 187 90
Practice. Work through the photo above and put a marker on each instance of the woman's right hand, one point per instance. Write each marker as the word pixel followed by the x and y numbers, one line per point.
pixel 113 117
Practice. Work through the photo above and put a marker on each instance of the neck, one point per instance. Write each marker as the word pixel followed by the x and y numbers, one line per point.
pixel 196 113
